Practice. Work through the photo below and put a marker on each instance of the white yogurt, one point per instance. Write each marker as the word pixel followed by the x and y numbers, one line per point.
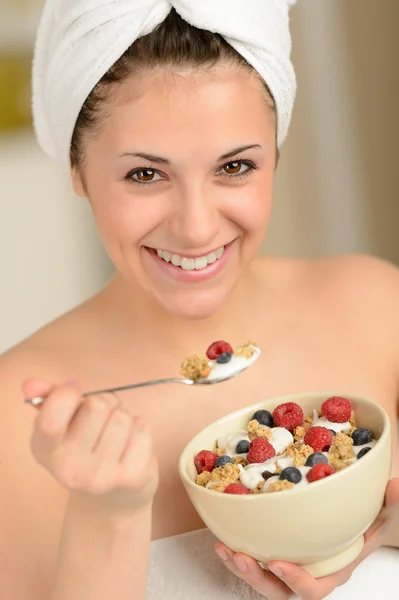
pixel 285 461
pixel 230 440
pixel 251 475
pixel 324 422
pixel 281 439
pixel 233 367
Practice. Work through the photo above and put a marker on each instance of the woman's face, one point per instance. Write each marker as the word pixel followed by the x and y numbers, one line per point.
pixel 180 179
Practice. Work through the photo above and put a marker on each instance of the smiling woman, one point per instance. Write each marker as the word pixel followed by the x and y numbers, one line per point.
pixel 169 116
pixel 193 188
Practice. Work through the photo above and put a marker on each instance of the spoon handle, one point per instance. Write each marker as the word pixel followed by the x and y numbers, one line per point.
pixel 39 401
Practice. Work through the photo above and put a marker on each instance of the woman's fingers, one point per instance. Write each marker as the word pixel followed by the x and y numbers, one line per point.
pixel 56 415
pixel 37 388
pixel 91 446
pixel 89 421
pixel 251 572
pixel 114 438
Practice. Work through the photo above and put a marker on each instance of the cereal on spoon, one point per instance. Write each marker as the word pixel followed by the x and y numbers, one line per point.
pixel 220 361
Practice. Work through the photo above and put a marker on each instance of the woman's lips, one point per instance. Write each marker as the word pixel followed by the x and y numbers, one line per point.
pixel 182 275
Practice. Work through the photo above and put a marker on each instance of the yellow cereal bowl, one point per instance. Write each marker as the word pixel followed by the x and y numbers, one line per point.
pixel 319 526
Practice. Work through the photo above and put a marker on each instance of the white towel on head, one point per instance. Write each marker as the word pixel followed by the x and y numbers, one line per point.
pixel 79 40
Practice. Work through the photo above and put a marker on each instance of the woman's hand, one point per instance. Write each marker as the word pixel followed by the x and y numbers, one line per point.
pixel 289 578
pixel 93 448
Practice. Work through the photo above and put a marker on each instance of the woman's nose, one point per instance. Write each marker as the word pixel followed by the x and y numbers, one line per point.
pixel 196 221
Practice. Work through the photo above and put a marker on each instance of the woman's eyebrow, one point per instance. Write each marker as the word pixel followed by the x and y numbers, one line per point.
pixel 165 161
pixel 238 151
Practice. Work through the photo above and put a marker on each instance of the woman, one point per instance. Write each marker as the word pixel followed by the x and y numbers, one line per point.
pixel 175 148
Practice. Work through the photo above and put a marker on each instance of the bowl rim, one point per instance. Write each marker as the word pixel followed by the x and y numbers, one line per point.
pixel 187 481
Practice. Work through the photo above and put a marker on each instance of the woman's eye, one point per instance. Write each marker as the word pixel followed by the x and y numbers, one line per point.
pixel 144 176
pixel 233 168
pixel 236 168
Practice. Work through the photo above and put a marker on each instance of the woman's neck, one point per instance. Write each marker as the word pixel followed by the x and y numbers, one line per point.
pixel 133 314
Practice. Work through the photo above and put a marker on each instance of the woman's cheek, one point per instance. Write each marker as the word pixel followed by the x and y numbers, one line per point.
pixel 252 209
pixel 125 217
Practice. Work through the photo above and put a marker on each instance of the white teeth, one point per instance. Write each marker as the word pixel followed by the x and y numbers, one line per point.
pixel 176 260
pixel 191 264
pixel 165 255
pixel 188 264
pixel 201 263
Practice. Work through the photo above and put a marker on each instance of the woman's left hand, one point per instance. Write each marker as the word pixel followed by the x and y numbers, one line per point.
pixel 289 578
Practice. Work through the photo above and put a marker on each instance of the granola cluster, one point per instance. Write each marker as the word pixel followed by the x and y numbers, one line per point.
pixel 246 350
pixel 299 452
pixel 195 367
pixel 341 451
pixel 256 430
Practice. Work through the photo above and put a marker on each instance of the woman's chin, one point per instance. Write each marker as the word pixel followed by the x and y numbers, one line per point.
pixel 193 306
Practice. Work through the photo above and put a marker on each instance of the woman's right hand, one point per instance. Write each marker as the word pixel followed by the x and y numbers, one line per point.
pixel 93 447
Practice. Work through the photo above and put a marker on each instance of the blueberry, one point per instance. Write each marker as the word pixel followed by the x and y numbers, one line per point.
pixel 315 458
pixel 242 447
pixel 266 475
pixel 224 460
pixel 361 436
pixel 291 474
pixel 363 451
pixel 333 432
pixel 264 418
pixel 224 358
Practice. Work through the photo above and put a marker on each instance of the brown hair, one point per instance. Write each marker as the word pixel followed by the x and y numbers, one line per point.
pixel 173 43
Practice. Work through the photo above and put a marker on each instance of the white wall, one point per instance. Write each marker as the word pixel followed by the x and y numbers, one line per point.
pixel 50 256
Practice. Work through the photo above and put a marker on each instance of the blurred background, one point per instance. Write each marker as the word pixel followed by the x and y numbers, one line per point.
pixel 337 182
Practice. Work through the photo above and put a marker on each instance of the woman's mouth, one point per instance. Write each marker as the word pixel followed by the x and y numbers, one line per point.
pixel 191 264
pixel 191 268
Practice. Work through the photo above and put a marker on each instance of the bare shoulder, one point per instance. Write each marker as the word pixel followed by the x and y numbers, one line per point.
pixel 361 291
pixel 358 277
pixel 356 292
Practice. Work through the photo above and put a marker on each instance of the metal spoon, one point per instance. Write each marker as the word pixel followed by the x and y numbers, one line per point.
pixel 38 401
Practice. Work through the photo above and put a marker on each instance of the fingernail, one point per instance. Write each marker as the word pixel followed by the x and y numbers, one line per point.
pixel 241 564
pixel 222 554
pixel 276 571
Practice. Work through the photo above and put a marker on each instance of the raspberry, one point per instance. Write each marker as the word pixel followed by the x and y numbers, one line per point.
pixel 288 415
pixel 205 461
pixel 320 471
pixel 336 409
pixel 319 438
pixel 218 348
pixel 260 450
pixel 236 488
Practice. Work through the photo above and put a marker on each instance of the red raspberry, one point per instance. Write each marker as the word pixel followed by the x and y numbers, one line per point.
pixel 236 488
pixel 336 409
pixel 288 415
pixel 218 348
pixel 205 461
pixel 260 450
pixel 320 471
pixel 319 438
